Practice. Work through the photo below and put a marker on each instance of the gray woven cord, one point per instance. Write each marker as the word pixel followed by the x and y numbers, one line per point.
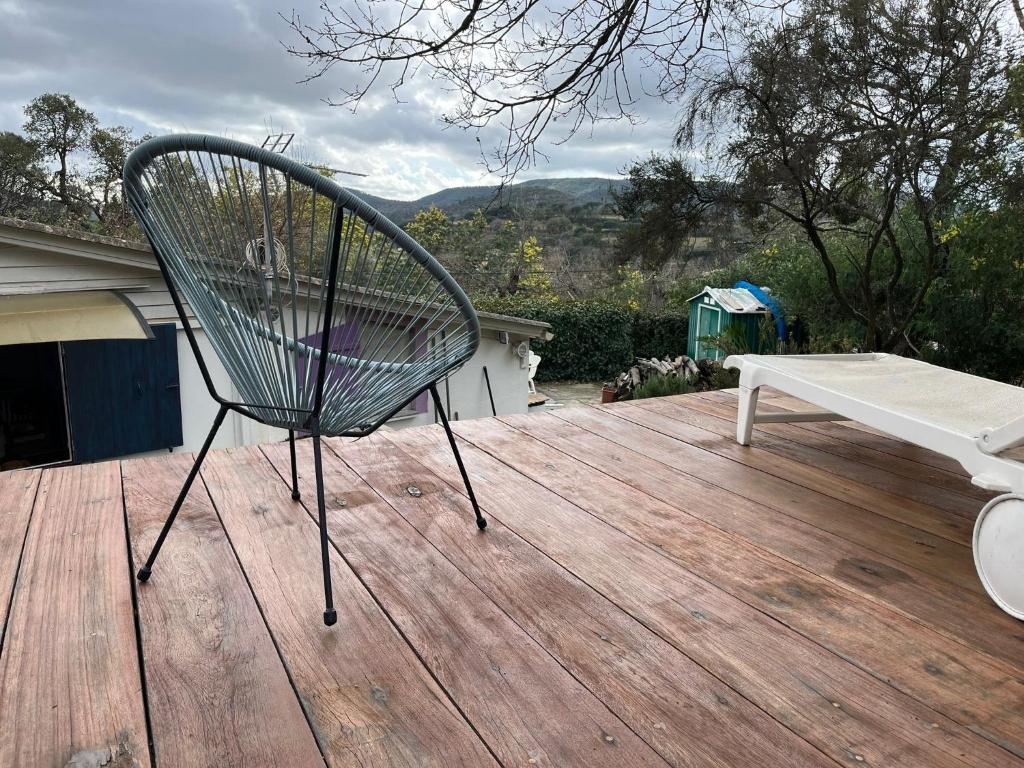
pixel 246 237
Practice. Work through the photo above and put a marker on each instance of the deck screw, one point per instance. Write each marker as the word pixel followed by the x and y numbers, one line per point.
pixel 412 490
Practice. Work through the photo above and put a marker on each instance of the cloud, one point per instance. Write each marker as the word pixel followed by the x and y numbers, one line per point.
pixel 219 66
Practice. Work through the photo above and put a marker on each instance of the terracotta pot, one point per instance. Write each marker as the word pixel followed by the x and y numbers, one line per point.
pixel 608 394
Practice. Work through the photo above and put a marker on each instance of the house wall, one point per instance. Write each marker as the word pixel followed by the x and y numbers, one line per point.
pixel 466 390
pixel 32 262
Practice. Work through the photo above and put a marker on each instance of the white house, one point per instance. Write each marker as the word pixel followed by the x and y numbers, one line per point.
pixel 64 398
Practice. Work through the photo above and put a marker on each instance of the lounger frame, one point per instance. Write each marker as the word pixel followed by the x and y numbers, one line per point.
pixel 987 470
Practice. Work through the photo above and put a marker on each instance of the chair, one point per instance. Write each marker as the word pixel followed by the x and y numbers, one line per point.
pixel 534 363
pixel 328 318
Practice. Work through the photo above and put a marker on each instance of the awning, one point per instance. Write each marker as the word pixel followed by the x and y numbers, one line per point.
pixel 69 316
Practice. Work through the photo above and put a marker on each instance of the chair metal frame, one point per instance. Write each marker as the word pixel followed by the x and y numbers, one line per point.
pixel 134 169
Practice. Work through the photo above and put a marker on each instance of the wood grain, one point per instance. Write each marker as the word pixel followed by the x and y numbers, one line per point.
pixel 689 716
pixel 218 692
pixel 17 492
pixel 817 695
pixel 859 434
pixel 934 487
pixel 70 689
pixel 521 702
pixel 717 459
pixel 954 678
pixel 370 700
pixel 910 458
pixel 859 564
pixel 806 467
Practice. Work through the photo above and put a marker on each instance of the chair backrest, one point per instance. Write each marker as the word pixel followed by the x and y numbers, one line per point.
pixel 534 362
pixel 314 302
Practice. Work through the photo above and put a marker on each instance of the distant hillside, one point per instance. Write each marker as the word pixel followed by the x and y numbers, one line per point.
pixel 458 202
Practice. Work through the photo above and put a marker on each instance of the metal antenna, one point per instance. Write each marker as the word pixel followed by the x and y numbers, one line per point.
pixel 279 142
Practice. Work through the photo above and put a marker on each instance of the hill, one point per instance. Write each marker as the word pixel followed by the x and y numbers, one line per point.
pixel 553 195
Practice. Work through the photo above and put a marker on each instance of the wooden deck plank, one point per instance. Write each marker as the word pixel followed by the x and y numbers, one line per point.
pixel 869 447
pixel 218 692
pixel 70 688
pixel 719 460
pixel 843 711
pixel 936 488
pixel 521 702
pixel 370 700
pixel 777 458
pixel 956 679
pixel 966 615
pixel 692 718
pixel 860 434
pixel 17 492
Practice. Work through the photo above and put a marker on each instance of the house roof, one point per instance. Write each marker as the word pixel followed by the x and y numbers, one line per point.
pixel 136 254
pixel 735 301
pixel 73 234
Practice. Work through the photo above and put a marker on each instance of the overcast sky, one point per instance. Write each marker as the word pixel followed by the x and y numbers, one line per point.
pixel 218 66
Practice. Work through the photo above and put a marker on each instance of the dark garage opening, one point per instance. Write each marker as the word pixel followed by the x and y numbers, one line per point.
pixel 33 415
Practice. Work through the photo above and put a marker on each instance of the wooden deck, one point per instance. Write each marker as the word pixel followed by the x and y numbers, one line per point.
pixel 648 593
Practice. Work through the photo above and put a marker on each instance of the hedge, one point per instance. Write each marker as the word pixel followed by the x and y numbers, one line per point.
pixel 594 340
pixel 656 334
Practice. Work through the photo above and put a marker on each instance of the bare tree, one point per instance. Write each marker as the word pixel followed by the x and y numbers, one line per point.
pixel 531 66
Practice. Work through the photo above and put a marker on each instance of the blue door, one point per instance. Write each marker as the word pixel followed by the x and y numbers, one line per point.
pixel 123 395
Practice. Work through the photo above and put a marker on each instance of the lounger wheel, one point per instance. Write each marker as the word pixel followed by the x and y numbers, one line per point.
pixel 999 552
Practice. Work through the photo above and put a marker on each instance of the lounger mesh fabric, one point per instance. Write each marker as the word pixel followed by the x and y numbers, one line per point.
pixel 246 236
pixel 955 401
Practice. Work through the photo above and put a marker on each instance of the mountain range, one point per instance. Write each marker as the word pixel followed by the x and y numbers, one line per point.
pixel 459 202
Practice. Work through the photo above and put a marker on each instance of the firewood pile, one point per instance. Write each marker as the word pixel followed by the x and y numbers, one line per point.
pixel 645 368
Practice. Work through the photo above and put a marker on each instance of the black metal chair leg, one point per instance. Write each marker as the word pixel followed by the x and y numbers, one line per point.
pixel 295 474
pixel 145 570
pixel 330 615
pixel 481 522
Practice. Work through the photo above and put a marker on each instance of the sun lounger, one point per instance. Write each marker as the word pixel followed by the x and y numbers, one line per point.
pixel 970 419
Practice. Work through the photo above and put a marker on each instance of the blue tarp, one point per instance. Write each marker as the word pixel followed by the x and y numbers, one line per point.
pixel 772 304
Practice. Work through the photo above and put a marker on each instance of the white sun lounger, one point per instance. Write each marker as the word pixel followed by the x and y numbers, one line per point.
pixel 968 418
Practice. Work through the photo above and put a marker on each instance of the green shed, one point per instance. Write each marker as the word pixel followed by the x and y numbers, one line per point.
pixel 715 309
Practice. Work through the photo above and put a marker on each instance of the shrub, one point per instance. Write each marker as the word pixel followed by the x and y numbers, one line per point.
pixel 660 386
pixel 594 339
pixel 656 334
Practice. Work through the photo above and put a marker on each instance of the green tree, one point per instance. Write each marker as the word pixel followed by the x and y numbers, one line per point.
pixel 971 318
pixel 59 127
pixel 20 171
pixel 864 125
pixel 108 149
pixel 528 272
pixel 432 229
pixel 664 207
